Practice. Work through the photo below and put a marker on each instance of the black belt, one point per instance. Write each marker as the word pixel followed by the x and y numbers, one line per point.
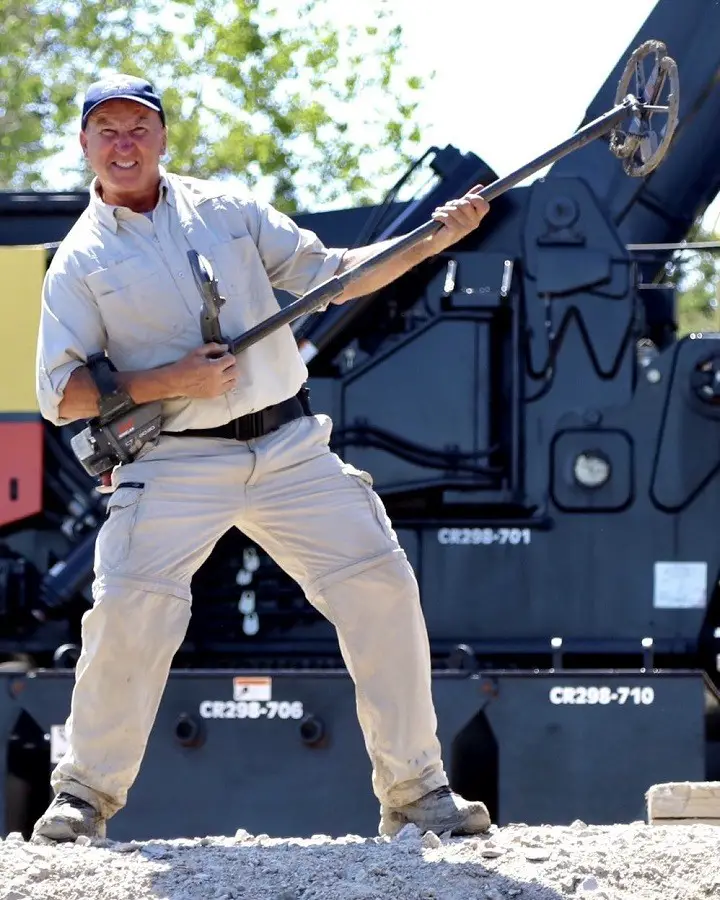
pixel 257 424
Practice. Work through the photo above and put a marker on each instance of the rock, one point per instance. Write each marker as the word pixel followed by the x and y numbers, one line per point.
pixel 154 851
pixel 82 840
pixel 105 843
pixel 492 851
pixel 537 854
pixel 130 847
pixel 409 834
pixel 684 802
pixel 430 840
pixel 493 894
pixel 37 873
pixel 589 884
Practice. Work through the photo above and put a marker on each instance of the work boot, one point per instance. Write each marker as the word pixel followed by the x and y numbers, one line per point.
pixel 66 818
pixel 440 811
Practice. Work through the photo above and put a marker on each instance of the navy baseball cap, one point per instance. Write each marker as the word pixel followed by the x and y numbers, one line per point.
pixel 121 87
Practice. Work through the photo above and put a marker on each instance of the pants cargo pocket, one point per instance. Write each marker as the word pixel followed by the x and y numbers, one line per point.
pixel 112 547
pixel 364 480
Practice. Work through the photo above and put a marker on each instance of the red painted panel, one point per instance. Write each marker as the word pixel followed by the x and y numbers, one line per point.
pixel 21 470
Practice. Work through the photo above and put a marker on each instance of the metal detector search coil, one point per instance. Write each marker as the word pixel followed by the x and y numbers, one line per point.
pixel 640 147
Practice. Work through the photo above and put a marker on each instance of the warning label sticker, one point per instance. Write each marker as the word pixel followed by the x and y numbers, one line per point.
pixel 680 585
pixel 252 688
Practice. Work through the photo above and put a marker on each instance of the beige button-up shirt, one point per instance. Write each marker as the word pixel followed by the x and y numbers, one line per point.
pixel 121 282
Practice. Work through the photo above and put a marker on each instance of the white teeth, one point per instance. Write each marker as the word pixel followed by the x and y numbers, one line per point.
pixel 125 165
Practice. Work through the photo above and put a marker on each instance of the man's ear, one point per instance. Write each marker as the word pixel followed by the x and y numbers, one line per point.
pixel 83 142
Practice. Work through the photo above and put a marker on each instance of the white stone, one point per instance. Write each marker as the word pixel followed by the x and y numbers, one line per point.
pixel 684 802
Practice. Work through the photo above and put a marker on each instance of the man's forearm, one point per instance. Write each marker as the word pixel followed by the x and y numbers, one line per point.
pixel 80 399
pixel 458 219
pixel 386 272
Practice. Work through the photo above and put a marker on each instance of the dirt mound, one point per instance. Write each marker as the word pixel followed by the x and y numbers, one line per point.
pixel 622 862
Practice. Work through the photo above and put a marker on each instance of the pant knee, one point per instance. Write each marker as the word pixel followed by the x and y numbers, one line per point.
pixel 394 578
pixel 106 585
pixel 390 573
pixel 380 597
pixel 130 619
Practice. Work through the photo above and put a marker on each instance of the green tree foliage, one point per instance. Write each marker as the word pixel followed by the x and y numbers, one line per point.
pixel 285 95
pixel 696 275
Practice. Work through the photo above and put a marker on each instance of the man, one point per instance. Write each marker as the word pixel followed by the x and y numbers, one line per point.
pixel 120 284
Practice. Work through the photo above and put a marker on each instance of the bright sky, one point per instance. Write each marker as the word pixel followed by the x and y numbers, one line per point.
pixel 514 77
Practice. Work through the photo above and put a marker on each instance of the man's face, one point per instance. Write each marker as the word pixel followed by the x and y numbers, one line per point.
pixel 123 142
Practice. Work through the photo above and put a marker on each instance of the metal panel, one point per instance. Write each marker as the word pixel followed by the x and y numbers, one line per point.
pixel 558 758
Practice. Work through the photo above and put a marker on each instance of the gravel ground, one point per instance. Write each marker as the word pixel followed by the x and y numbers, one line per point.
pixel 622 862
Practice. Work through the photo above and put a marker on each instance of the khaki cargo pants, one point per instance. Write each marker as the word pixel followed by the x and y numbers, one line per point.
pixel 323 524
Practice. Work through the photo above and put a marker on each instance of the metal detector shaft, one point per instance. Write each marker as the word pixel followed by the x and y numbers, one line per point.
pixel 328 290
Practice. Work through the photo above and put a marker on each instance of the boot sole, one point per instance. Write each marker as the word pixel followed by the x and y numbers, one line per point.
pixel 62 832
pixel 468 824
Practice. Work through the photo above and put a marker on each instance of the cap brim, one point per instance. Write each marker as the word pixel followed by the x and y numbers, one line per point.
pixel 139 100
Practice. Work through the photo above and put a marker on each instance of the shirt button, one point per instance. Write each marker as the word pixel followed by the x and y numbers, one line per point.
pixel 181 274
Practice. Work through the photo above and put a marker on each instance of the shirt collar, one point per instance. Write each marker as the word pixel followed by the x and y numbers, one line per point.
pixel 107 214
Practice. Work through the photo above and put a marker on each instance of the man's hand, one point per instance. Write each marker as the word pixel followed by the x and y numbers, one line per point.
pixel 459 218
pixel 209 371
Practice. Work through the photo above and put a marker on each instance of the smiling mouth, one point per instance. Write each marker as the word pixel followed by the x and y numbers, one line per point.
pixel 125 166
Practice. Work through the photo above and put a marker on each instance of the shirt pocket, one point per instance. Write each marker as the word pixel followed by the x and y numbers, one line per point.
pixel 242 280
pixel 136 301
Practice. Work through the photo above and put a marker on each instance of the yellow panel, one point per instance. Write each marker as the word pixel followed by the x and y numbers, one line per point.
pixel 22 270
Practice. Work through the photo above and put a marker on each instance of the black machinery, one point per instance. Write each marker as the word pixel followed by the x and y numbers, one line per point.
pixel 548 451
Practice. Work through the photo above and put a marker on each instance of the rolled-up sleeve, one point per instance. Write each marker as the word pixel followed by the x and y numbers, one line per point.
pixel 70 331
pixel 295 259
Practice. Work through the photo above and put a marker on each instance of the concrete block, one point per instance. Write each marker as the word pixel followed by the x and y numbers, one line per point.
pixel 684 803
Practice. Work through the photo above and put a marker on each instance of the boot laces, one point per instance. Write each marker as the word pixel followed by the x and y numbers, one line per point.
pixel 75 802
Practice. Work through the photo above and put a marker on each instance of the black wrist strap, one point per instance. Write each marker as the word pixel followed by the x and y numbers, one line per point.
pixel 114 399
